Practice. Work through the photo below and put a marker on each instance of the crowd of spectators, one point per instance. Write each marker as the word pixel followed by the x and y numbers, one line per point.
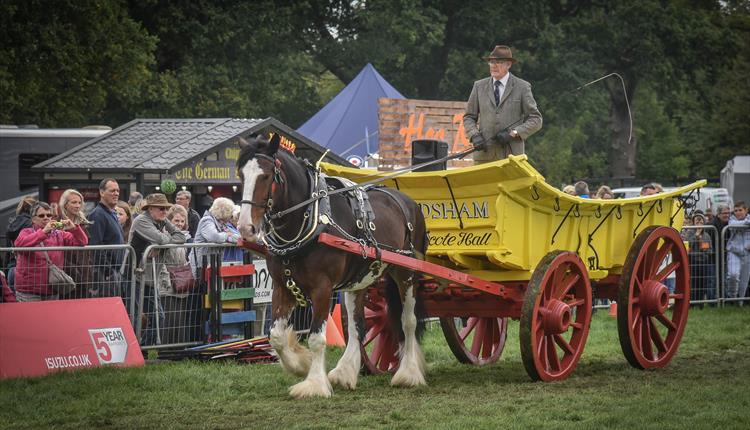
pixel 139 222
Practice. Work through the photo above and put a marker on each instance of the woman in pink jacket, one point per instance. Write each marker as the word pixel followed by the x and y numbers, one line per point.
pixel 31 268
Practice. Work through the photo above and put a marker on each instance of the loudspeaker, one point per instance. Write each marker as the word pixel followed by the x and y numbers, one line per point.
pixel 424 150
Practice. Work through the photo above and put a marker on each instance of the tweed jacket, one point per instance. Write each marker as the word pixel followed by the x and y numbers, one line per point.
pixel 517 110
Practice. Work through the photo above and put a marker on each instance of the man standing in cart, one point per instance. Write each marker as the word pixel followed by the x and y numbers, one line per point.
pixel 501 113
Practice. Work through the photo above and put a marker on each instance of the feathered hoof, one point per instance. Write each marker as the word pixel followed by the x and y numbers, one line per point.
pixel 343 377
pixel 308 389
pixel 407 379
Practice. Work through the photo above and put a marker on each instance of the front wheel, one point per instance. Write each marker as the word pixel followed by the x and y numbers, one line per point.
pixel 379 348
pixel 555 316
pixel 479 341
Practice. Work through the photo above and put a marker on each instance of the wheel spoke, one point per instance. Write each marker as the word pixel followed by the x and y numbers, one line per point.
pixel 661 276
pixel 658 341
pixel 372 333
pixel 388 354
pixel 377 352
pixel 647 261
pixel 488 339
pixel 563 344
pixel 661 254
pixel 576 325
pixel 638 286
pixel 542 346
pixel 676 296
pixel 566 284
pixel 637 323
pixel 636 319
pixel 476 343
pixel 373 310
pixel 667 322
pixel 553 359
pixel 556 280
pixel 646 345
pixel 470 325
pixel 575 303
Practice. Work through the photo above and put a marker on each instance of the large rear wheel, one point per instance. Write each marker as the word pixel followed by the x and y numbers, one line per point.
pixel 650 319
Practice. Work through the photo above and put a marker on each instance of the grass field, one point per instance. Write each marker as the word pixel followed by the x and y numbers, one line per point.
pixel 707 385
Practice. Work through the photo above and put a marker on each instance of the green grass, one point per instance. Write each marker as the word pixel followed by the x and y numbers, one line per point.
pixel 707 385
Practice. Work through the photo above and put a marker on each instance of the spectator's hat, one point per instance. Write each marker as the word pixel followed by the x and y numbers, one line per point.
pixel 698 214
pixel 501 52
pixel 157 200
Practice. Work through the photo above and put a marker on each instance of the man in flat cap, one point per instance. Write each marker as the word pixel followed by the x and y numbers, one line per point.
pixel 501 113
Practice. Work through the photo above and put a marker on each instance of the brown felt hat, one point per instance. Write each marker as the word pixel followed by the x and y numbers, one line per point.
pixel 157 200
pixel 501 52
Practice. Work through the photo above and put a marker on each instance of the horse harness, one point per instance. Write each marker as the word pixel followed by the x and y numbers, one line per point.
pixel 317 217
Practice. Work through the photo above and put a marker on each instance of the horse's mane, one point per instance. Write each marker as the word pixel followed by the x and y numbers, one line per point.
pixel 255 144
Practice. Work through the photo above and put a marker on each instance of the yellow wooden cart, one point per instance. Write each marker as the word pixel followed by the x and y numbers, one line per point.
pixel 505 244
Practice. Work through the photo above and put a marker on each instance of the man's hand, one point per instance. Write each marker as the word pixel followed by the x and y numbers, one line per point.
pixel 478 141
pixel 504 137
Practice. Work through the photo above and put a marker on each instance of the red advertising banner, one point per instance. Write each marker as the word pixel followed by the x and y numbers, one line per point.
pixel 41 337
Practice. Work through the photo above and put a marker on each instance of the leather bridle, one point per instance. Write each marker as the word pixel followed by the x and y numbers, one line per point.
pixel 277 180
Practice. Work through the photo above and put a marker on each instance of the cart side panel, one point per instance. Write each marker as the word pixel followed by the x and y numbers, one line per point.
pixel 498 220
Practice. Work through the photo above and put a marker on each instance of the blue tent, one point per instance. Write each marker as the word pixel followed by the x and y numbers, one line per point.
pixel 348 124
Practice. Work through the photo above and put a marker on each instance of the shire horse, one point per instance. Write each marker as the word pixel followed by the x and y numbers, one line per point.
pixel 273 182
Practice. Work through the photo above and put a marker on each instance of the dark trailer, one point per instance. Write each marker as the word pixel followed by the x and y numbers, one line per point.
pixel 23 147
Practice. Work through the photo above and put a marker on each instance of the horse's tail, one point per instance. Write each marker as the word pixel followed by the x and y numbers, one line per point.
pixel 396 308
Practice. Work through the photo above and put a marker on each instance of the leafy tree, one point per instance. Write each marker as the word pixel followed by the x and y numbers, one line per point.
pixel 661 154
pixel 685 67
pixel 230 58
pixel 69 63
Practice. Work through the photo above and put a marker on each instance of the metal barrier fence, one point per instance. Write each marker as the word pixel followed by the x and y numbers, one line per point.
pixel 161 317
pixel 169 318
pixel 705 285
pixel 97 270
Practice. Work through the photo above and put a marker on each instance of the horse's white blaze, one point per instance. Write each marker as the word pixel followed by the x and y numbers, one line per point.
pixel 346 371
pixel 411 369
pixel 316 384
pixel 250 171
pixel 294 357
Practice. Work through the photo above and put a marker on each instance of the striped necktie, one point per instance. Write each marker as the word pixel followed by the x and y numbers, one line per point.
pixel 497 92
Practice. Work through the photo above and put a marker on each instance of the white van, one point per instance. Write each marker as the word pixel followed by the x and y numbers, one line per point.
pixel 710 197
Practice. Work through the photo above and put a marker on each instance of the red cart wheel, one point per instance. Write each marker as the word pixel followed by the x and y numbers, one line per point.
pixel 379 348
pixel 555 316
pixel 480 341
pixel 649 330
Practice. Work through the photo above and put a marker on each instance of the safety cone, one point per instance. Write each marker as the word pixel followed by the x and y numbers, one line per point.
pixel 613 309
pixel 337 318
pixel 333 335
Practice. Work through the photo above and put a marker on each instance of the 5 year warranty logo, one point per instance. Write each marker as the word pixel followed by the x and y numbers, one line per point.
pixel 110 345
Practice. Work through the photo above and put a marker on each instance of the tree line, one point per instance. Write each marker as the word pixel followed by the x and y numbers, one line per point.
pixel 684 67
